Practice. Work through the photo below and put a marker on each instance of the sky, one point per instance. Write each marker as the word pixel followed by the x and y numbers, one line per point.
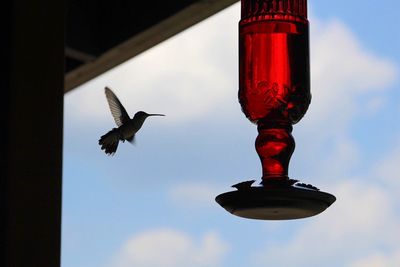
pixel 152 204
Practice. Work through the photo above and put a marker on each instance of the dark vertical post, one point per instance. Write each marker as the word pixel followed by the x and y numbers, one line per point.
pixel 31 131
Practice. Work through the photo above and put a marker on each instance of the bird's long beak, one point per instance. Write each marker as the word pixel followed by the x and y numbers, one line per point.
pixel 155 115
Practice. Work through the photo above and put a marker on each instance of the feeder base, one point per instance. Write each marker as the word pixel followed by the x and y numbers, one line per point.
pixel 275 203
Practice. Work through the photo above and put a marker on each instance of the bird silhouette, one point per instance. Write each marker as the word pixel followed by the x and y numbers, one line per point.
pixel 127 127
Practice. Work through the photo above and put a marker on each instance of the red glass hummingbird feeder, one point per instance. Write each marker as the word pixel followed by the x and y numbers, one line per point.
pixel 274 93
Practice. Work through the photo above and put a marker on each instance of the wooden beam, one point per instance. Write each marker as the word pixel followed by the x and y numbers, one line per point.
pixel 145 40
pixel 78 55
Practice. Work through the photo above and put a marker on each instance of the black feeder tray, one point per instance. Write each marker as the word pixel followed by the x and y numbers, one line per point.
pixel 275 201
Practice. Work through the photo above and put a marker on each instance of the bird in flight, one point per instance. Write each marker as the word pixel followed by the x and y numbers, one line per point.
pixel 127 127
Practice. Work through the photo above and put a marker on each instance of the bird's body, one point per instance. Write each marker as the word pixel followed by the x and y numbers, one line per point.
pixel 127 127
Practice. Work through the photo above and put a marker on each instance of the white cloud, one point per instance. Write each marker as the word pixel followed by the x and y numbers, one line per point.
pixel 379 260
pixel 387 169
pixel 342 70
pixel 342 157
pixel 359 230
pixel 171 248
pixel 375 104
pixel 195 194
pixel 361 220
pixel 340 59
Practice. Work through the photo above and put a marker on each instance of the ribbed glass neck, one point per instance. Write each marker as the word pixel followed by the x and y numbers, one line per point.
pixel 279 8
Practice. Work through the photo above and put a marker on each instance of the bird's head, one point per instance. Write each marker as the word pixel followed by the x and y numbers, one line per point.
pixel 144 115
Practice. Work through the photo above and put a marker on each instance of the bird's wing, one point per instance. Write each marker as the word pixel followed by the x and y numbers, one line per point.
pixel 117 110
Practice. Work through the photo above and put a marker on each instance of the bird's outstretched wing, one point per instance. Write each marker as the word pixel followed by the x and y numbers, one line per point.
pixel 117 110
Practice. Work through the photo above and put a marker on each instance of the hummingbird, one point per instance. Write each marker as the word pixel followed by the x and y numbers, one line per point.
pixel 127 127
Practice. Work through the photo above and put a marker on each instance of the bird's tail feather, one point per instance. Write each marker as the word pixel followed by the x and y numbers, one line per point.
pixel 109 141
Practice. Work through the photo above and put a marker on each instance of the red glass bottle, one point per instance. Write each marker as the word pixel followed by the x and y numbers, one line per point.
pixel 274 77
pixel 274 92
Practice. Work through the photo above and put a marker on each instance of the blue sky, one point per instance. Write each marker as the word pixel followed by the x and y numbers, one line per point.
pixel 152 204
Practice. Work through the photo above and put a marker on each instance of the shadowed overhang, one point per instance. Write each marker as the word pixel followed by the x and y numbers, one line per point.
pixel 102 34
